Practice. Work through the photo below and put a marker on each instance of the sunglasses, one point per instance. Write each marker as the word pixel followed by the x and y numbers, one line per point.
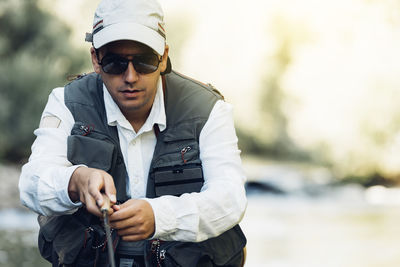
pixel 143 63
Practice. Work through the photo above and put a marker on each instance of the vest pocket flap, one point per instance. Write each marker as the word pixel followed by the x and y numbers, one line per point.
pixel 179 133
pixel 91 152
pixel 227 248
pixel 177 181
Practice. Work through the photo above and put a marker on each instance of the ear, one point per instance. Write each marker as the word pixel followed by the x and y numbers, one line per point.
pixel 95 61
pixel 163 63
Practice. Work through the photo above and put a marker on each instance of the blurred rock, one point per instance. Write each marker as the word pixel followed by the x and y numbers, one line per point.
pixel 381 195
pixel 287 179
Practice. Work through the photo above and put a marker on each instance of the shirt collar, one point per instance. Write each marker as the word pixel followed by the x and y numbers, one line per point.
pixel 156 116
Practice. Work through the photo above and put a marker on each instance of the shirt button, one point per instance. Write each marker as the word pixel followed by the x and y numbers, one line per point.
pixel 134 142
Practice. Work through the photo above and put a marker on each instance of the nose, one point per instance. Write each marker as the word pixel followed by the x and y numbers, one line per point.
pixel 130 74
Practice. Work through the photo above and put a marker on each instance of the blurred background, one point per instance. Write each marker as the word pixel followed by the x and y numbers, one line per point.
pixel 315 85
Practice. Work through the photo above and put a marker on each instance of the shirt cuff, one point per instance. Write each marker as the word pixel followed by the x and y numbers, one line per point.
pixel 164 217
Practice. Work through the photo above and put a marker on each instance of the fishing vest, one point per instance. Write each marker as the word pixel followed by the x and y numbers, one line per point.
pixel 175 168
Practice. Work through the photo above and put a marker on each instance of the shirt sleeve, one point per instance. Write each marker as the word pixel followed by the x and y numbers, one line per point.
pixel 222 201
pixel 44 178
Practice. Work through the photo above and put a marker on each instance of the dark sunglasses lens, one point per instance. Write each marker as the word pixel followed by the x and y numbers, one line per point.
pixel 114 64
pixel 146 63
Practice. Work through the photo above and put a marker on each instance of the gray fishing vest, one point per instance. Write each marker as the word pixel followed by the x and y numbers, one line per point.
pixel 175 168
pixel 96 144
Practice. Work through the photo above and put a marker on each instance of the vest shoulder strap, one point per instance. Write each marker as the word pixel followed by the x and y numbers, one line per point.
pixel 187 99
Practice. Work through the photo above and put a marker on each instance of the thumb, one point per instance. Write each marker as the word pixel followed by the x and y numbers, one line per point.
pixel 109 189
pixel 96 185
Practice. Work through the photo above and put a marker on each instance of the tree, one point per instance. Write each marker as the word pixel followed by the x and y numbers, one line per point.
pixel 272 138
pixel 36 55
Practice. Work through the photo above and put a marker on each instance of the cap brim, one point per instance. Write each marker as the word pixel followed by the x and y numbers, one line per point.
pixel 129 31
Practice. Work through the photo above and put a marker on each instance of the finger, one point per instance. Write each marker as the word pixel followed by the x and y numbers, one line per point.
pixel 124 224
pixel 138 229
pixel 95 185
pixel 109 187
pixel 131 203
pixel 123 213
pixel 91 206
pixel 129 231
pixel 114 209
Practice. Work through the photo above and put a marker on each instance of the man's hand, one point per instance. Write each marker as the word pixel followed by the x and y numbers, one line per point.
pixel 134 220
pixel 86 185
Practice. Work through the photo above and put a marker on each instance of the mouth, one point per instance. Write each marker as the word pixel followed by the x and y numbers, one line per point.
pixel 131 92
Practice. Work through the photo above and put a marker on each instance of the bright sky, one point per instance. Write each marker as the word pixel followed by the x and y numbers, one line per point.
pixel 342 85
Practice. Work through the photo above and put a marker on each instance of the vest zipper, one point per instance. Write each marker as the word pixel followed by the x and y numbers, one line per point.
pixel 89 128
pixel 183 152
pixel 155 249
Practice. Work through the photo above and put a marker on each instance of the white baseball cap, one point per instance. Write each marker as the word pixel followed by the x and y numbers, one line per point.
pixel 136 20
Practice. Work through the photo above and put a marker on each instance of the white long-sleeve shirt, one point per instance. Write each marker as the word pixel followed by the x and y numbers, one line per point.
pixel 191 217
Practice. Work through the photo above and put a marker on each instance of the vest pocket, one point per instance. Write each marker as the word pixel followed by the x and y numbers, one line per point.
pixel 77 240
pixel 91 152
pixel 178 180
pixel 179 146
pixel 178 153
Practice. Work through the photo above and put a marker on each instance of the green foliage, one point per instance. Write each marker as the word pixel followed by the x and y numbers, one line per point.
pixel 368 180
pixel 36 56
pixel 271 138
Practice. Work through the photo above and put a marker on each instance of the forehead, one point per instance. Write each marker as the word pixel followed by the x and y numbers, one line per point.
pixel 125 47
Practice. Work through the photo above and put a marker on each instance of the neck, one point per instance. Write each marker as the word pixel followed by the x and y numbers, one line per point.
pixel 137 118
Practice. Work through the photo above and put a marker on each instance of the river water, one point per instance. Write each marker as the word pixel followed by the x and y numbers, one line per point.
pixel 301 224
pixel 321 232
pixel 282 231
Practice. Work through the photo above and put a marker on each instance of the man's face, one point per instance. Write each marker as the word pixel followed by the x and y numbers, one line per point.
pixel 133 92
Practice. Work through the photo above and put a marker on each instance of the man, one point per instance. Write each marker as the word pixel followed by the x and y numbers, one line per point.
pixel 160 146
